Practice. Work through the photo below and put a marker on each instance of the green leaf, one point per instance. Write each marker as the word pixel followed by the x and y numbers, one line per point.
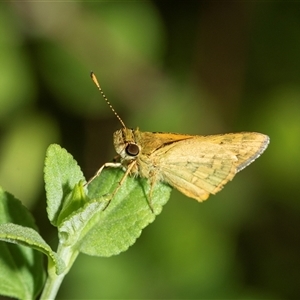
pixel 117 227
pixel 26 236
pixel 22 273
pixel 61 175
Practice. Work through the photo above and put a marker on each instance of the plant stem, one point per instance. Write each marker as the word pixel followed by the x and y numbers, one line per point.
pixel 53 282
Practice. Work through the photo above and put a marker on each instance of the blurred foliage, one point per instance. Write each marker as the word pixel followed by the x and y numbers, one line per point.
pixel 186 67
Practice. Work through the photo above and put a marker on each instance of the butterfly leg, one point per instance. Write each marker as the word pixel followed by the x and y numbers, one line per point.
pixel 153 181
pixel 129 167
pixel 113 165
pixel 106 165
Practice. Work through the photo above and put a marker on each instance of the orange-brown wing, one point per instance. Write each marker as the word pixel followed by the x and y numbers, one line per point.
pixel 202 165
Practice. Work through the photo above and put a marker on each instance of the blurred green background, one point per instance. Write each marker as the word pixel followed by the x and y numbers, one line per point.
pixel 186 67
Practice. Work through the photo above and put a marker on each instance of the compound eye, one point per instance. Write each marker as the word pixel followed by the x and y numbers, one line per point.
pixel 132 149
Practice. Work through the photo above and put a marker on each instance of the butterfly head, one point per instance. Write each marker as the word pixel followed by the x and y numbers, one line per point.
pixel 125 144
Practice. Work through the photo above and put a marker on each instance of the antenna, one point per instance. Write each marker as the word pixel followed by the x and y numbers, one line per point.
pixel 94 78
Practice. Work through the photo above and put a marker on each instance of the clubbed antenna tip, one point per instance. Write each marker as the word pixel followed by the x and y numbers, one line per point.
pixel 95 80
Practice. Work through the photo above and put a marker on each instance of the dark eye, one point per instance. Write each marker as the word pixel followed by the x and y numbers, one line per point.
pixel 132 149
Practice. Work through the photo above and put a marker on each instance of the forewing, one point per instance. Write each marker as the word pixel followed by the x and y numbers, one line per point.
pixel 246 146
